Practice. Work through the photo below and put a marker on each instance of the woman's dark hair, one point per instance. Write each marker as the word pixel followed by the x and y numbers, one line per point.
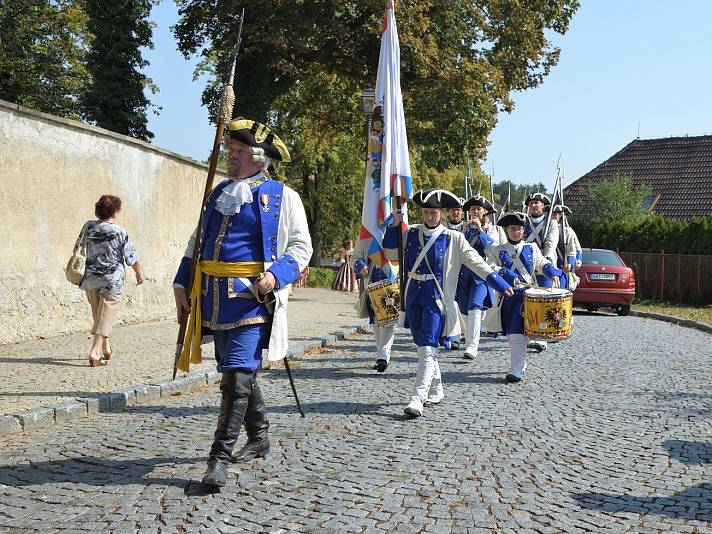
pixel 107 206
pixel 346 242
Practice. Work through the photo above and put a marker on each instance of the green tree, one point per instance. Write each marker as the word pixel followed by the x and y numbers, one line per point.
pixel 615 199
pixel 459 61
pixel 518 193
pixel 43 45
pixel 116 98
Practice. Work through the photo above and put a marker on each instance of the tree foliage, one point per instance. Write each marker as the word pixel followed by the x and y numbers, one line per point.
pixel 115 98
pixel 78 59
pixel 42 55
pixel 459 61
pixel 516 192
pixel 614 199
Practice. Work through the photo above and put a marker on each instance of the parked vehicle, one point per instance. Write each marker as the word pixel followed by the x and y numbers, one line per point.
pixel 606 282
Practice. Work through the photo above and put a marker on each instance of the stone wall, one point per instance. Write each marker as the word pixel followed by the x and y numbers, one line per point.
pixel 53 171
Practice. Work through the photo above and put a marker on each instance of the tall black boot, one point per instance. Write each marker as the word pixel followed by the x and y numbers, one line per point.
pixel 236 388
pixel 256 426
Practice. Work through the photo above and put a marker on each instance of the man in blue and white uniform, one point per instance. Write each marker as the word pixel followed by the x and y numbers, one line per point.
pixel 254 244
pixel 544 232
pixel 367 270
pixel 517 262
pixel 473 294
pixel 432 259
pixel 569 253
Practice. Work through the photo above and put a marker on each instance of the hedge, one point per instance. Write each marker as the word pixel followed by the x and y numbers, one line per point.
pixel 320 277
pixel 652 235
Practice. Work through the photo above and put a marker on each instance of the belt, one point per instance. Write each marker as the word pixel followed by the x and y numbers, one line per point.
pixel 421 277
pixel 191 352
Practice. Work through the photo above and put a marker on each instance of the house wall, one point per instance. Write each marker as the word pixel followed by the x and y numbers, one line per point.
pixel 53 171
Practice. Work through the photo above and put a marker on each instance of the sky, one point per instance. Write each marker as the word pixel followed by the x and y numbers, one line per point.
pixel 633 68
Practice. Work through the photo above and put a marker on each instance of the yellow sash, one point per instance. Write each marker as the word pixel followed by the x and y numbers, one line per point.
pixel 191 352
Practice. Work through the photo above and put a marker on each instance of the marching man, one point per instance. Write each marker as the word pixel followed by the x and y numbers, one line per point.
pixel 568 254
pixel 432 260
pixel 369 272
pixel 545 233
pixel 519 262
pixel 473 294
pixel 255 243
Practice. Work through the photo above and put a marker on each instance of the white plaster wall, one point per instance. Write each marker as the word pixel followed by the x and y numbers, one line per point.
pixel 52 171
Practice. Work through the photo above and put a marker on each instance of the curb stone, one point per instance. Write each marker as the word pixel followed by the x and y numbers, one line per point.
pixel 118 400
pixel 689 323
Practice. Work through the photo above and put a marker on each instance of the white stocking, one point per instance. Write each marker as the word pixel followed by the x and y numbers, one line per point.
pixel 472 334
pixel 518 351
pixel 424 377
pixel 384 341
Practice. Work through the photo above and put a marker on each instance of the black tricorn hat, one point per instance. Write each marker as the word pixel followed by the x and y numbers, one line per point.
pixel 436 198
pixel 479 200
pixel 561 208
pixel 252 133
pixel 538 196
pixel 512 217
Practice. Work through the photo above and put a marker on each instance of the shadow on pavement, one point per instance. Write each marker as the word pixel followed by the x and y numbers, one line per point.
pixel 337 408
pixel 688 504
pixel 93 471
pixel 47 360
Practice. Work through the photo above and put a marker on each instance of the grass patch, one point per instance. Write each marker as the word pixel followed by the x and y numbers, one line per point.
pixel 702 314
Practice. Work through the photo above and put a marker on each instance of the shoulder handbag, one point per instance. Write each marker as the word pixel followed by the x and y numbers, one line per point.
pixel 74 270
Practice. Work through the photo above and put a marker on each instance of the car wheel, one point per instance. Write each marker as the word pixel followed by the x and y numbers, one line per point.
pixel 623 309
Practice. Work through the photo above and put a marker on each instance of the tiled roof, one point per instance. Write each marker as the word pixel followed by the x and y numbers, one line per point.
pixel 679 169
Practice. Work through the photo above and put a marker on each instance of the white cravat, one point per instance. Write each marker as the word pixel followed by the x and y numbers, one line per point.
pixel 237 193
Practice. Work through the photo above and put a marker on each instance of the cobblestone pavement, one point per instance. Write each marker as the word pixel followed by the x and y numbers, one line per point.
pixel 610 432
pixel 46 372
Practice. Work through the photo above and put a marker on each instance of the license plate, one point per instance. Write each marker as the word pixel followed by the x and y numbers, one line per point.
pixel 602 276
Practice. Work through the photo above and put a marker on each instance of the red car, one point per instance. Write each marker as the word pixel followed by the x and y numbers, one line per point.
pixel 606 282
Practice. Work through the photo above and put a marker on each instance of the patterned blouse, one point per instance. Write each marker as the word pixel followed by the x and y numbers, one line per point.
pixel 108 247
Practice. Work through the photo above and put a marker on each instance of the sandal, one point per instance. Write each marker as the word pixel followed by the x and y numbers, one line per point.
pixel 96 362
pixel 107 355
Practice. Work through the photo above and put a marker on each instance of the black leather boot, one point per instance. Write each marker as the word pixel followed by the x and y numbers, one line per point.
pixel 256 427
pixel 236 388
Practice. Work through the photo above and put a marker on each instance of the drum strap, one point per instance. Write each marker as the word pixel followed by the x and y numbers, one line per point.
pixel 517 262
pixel 423 251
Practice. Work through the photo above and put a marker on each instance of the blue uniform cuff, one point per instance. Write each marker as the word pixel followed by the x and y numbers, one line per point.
pixel 551 271
pixel 181 277
pixel 285 270
pixel 508 275
pixel 497 282
pixel 358 265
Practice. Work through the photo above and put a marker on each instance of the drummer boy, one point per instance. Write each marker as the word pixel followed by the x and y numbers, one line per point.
pixel 519 264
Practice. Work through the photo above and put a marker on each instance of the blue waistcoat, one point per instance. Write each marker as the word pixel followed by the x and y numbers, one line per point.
pixel 249 235
pixel 472 291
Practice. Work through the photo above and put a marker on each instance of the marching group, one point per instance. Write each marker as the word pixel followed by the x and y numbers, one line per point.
pixel 254 244
pixel 459 272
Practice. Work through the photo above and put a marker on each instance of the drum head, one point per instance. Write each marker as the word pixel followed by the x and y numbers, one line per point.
pixel 547 292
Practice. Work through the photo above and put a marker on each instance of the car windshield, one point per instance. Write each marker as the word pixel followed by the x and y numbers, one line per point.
pixel 601 257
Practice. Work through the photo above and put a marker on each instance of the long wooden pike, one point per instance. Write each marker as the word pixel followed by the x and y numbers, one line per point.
pixel 224 115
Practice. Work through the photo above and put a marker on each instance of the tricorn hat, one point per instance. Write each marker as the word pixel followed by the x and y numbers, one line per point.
pixel 252 133
pixel 561 208
pixel 538 196
pixel 479 200
pixel 512 217
pixel 436 198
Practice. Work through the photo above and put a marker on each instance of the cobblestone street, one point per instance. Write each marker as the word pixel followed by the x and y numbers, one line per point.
pixel 610 431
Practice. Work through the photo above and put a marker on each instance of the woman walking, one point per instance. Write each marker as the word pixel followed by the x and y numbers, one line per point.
pixel 108 247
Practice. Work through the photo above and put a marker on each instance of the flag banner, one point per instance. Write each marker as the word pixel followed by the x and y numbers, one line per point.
pixel 388 167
